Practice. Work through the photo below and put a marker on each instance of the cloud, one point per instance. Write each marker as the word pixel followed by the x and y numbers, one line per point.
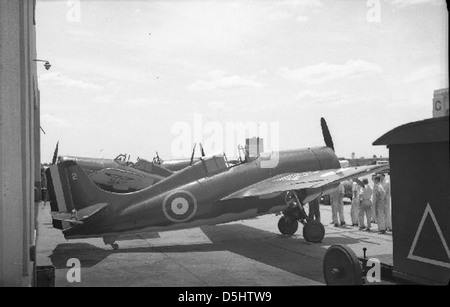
pixel 424 73
pixel 224 83
pixel 302 3
pixel 322 98
pixel 57 79
pixel 112 71
pixel 216 104
pixel 279 16
pixel 137 102
pixel 324 72
pixel 301 18
pixel 48 120
pixel 89 36
pixel 406 3
pixel 283 10
pixel 104 99
pixel 216 74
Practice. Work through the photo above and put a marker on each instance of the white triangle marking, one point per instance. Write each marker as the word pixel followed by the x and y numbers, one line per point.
pixel 419 230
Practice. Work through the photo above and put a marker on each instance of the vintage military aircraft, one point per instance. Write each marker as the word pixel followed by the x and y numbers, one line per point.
pixel 122 176
pixel 211 191
pixel 119 174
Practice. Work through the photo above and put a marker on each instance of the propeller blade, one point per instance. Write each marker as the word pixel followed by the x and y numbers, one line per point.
pixel 326 134
pixel 193 152
pixel 201 149
pixel 55 153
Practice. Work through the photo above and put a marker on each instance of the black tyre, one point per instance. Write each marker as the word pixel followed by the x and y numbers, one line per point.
pixel 287 226
pixel 313 231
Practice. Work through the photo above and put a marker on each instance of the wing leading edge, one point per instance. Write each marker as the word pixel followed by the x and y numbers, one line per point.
pixel 313 182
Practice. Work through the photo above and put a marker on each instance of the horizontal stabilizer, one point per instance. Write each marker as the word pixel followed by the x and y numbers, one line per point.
pixel 79 217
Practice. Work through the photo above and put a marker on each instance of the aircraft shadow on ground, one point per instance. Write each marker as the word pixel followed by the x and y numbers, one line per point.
pixel 291 254
pixel 143 236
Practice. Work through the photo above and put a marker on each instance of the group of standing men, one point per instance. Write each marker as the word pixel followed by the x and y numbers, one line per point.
pixel 374 204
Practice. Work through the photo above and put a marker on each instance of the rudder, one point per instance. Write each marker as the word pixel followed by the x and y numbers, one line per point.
pixel 70 188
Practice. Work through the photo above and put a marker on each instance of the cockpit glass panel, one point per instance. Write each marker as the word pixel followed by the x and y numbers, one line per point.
pixel 215 164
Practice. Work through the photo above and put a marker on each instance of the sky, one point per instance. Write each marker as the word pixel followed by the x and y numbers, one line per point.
pixel 138 77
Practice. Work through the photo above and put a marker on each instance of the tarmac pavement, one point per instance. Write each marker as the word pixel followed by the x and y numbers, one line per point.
pixel 243 253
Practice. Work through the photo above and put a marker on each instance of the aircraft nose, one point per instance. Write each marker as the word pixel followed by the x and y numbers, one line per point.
pixel 327 158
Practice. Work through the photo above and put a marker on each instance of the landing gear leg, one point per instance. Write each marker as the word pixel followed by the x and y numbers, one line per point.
pixel 288 223
pixel 313 231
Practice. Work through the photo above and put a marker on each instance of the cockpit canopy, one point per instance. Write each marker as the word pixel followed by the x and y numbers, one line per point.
pixel 215 164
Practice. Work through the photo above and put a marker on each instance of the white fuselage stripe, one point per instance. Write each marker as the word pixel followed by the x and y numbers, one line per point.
pixel 59 192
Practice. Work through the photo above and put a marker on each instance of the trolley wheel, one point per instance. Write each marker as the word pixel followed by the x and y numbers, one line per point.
pixel 341 266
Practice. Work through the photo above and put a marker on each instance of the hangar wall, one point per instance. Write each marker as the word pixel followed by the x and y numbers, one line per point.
pixel 19 141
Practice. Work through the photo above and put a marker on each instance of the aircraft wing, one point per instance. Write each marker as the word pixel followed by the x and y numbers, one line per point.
pixel 314 182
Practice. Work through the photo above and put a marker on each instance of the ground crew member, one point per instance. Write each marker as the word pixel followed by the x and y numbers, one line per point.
pixel 337 205
pixel 365 208
pixel 354 212
pixel 314 209
pixel 378 197
pixel 373 212
pixel 387 202
pixel 44 191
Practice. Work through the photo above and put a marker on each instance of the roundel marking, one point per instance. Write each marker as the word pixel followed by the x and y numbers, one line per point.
pixel 179 206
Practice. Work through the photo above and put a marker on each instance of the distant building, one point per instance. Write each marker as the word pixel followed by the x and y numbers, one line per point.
pixel 440 103
pixel 367 161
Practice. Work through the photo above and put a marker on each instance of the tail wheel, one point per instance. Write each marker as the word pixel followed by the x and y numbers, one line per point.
pixel 287 226
pixel 313 231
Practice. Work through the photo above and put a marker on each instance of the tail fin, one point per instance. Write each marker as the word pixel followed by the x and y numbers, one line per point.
pixel 70 188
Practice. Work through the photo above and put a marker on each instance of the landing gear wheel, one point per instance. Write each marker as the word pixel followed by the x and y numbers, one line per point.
pixel 313 231
pixel 341 266
pixel 287 226
pixel 115 246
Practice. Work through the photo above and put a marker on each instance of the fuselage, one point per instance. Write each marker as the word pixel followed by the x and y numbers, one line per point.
pixel 194 196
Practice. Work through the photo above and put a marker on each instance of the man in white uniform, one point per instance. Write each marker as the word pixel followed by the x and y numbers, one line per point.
pixel 366 205
pixel 387 202
pixel 337 205
pixel 354 212
pixel 378 197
